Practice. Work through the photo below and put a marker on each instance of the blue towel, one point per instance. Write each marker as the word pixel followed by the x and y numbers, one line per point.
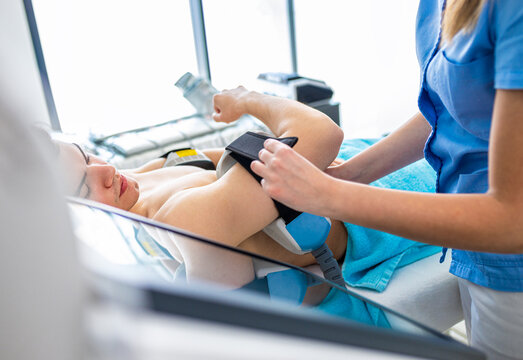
pixel 373 256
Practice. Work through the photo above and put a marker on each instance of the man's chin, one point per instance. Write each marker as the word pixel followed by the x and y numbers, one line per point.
pixel 129 205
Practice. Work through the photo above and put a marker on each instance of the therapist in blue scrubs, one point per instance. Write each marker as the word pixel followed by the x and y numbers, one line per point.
pixel 470 129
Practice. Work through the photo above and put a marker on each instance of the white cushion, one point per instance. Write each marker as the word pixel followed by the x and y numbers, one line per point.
pixel 424 291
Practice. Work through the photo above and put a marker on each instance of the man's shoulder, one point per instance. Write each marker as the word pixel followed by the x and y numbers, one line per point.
pixel 151 165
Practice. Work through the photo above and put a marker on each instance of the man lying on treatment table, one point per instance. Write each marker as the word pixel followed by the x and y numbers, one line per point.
pixel 233 209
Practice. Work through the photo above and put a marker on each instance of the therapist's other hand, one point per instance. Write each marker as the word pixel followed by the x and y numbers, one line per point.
pixel 337 169
pixel 337 162
pixel 290 178
pixel 229 104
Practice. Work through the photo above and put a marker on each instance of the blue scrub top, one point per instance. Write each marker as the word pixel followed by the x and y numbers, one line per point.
pixel 458 84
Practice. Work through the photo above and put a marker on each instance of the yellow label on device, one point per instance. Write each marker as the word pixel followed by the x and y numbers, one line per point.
pixel 187 152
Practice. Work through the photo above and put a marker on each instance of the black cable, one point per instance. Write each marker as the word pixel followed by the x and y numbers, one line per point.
pixel 329 265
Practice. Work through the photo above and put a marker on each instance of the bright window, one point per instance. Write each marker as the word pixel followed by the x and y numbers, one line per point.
pixel 112 64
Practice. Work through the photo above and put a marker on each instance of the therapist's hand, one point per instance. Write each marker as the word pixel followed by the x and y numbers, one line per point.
pixel 337 169
pixel 229 105
pixel 291 179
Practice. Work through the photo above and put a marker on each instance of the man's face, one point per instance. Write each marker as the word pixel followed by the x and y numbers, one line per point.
pixel 92 178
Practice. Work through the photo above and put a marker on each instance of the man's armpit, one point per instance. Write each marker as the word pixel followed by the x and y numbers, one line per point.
pixel 251 208
pixel 228 211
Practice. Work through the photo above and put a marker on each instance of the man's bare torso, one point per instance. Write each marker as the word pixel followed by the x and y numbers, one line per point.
pixel 160 188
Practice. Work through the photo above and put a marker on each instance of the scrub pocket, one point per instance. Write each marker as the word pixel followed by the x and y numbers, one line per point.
pixel 467 91
pixel 476 183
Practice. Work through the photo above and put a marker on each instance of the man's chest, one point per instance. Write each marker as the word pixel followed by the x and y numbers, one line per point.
pixel 162 185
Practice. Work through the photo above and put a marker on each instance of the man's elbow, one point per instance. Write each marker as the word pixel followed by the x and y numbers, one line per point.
pixel 320 140
pixel 338 137
pixel 333 138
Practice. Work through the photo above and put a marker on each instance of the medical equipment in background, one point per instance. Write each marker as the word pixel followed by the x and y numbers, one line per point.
pixel 315 93
pixel 199 92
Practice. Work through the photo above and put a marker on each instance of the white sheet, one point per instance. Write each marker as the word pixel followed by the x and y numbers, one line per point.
pixel 424 291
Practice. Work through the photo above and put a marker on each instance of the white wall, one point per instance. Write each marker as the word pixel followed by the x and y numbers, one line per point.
pixel 365 50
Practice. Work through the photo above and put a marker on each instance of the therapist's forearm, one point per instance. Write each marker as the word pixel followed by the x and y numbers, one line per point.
pixel 400 148
pixel 477 222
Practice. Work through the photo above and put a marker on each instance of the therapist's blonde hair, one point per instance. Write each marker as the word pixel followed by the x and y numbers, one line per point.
pixel 460 15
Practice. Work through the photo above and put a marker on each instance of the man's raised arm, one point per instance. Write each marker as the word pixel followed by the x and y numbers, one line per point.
pixel 235 207
pixel 319 137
